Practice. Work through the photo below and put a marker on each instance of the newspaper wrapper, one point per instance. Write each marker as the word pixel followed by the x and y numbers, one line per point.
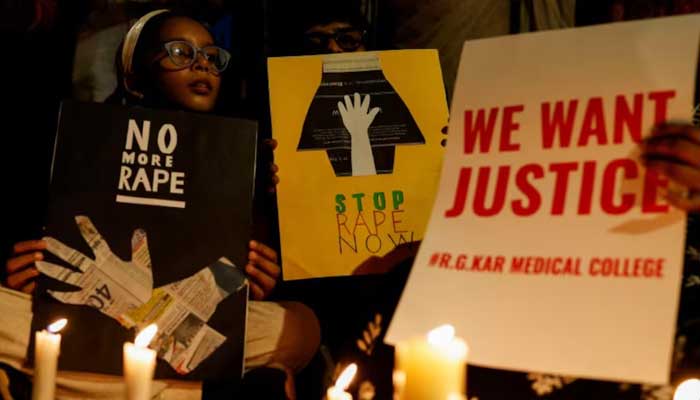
pixel 123 291
pixel 323 129
pixel 181 310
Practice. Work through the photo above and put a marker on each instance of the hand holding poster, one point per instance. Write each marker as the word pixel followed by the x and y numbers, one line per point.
pixel 549 248
pixel 149 220
pixel 359 153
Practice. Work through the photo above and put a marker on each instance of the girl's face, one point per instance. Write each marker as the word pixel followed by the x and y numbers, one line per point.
pixel 195 87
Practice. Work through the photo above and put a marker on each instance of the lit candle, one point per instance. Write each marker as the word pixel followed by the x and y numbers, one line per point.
pixel 139 364
pixel 432 368
pixel 47 346
pixel 688 390
pixel 337 392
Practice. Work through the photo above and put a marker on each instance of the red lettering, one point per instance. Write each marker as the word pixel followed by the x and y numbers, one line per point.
pixel 533 196
pixel 445 260
pixel 562 170
pixel 593 122
pixel 342 223
pixel 652 182
pixel 586 200
pixel 607 201
pixel 560 123
pixel 395 221
pixel 660 100
pixel 460 194
pixel 507 128
pixel 360 221
pixel 499 196
pixel 630 118
pixel 480 128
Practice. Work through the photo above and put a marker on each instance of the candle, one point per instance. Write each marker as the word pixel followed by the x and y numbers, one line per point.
pixel 337 392
pixel 139 364
pixel 688 390
pixel 47 346
pixel 432 368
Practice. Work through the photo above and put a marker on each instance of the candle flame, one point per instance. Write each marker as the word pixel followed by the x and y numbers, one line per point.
pixel 688 390
pixel 441 335
pixel 57 325
pixel 146 335
pixel 346 377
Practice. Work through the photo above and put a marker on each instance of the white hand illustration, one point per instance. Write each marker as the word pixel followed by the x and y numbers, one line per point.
pixel 357 118
pixel 107 283
pixel 124 291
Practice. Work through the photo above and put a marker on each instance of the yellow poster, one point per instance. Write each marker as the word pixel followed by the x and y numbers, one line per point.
pixel 359 151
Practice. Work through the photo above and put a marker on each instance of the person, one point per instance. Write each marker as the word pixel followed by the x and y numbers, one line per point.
pixel 170 61
pixel 332 30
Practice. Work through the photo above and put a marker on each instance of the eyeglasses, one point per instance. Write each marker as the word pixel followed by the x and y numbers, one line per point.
pixel 184 54
pixel 347 39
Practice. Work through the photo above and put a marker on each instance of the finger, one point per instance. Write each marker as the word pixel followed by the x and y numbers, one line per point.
pixel 677 147
pixel 358 101
pixel 256 292
pixel 342 108
pixel 91 235
pixel 688 131
pixel 263 249
pixel 266 265
pixel 29 288
pixel 365 104
pixel 274 168
pixel 373 113
pixel 257 275
pixel 444 130
pixel 275 180
pixel 68 254
pixel 19 279
pixel 683 202
pixel 682 174
pixel 348 103
pixel 66 297
pixel 28 245
pixel 140 254
pixel 58 272
pixel 16 263
pixel 272 143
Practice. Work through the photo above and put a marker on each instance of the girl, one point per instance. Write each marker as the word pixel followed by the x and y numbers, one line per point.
pixel 171 61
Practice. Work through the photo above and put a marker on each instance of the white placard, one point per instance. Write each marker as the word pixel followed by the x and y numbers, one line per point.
pixel 571 264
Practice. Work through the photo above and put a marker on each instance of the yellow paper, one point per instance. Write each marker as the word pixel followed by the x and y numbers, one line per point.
pixel 322 234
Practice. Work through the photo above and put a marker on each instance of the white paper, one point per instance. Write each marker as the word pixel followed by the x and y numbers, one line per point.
pixel 618 328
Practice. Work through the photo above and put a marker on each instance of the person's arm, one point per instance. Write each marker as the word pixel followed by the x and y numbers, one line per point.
pixel 673 150
pixel 20 267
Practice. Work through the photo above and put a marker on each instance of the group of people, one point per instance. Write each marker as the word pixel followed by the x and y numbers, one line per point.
pixel 170 61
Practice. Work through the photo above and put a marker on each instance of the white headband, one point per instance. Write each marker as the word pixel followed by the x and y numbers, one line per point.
pixel 130 40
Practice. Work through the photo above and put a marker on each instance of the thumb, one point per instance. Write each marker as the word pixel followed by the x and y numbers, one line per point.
pixel 140 253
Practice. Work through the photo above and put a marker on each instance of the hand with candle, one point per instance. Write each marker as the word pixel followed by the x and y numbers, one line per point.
pixel 337 391
pixel 47 346
pixel 139 365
